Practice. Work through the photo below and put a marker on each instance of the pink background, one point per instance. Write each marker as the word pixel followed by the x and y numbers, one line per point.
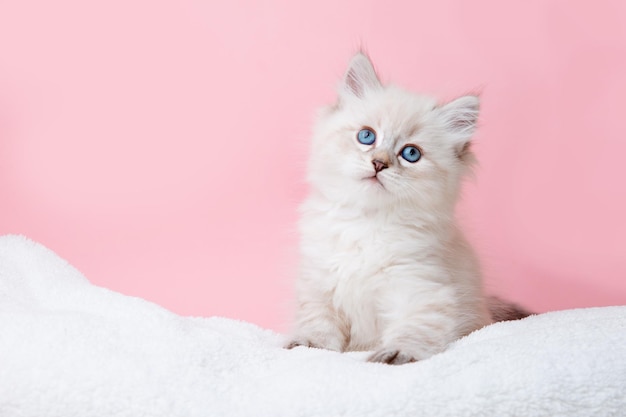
pixel 159 146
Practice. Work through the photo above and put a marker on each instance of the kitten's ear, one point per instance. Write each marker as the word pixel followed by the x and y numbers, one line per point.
pixel 360 77
pixel 459 118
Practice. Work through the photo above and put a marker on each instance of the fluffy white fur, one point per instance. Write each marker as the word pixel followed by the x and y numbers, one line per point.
pixel 384 266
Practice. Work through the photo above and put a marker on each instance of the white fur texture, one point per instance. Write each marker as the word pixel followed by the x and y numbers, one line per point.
pixel 384 265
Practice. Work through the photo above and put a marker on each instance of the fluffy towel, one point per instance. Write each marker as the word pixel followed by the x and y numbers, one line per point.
pixel 68 348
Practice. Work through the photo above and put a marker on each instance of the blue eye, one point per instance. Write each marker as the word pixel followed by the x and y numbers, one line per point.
pixel 366 136
pixel 411 153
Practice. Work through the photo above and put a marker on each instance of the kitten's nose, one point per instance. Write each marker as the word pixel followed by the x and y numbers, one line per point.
pixel 379 165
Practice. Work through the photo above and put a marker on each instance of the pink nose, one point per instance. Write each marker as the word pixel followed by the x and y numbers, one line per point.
pixel 379 165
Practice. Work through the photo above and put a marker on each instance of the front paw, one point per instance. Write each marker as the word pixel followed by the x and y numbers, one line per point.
pixel 318 341
pixel 391 357
pixel 301 342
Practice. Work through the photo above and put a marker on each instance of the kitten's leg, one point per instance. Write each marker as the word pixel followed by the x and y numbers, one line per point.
pixel 416 329
pixel 318 325
pixel 410 343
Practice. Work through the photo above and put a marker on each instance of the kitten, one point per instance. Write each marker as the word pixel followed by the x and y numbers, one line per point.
pixel 384 265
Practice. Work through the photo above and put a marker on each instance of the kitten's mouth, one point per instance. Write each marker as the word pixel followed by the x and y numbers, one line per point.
pixel 375 180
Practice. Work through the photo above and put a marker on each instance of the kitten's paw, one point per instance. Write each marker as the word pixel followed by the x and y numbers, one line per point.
pixel 391 357
pixel 301 342
pixel 328 342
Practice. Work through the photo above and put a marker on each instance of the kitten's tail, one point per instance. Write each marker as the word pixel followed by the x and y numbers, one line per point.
pixel 501 310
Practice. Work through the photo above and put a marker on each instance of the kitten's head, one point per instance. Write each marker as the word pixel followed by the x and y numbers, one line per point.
pixel 381 145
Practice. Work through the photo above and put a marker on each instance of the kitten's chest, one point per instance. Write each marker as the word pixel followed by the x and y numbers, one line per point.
pixel 359 262
pixel 360 250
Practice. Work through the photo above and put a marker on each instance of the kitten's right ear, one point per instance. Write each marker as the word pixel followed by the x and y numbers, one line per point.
pixel 459 119
pixel 360 77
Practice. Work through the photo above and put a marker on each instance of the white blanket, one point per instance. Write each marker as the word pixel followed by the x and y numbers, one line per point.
pixel 68 348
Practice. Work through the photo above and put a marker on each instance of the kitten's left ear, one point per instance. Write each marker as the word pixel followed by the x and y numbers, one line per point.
pixel 459 118
pixel 360 77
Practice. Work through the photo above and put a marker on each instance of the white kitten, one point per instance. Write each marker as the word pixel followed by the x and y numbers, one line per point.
pixel 384 265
